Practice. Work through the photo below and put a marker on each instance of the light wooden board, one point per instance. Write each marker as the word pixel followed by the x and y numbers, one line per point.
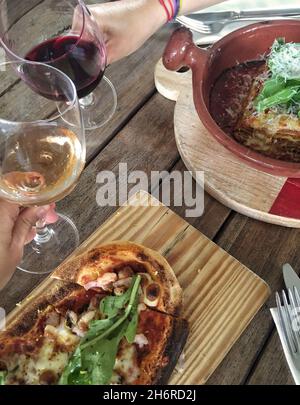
pixel 228 179
pixel 221 296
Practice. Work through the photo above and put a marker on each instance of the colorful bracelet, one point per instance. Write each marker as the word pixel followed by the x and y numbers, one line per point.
pixel 177 6
pixel 171 7
pixel 169 15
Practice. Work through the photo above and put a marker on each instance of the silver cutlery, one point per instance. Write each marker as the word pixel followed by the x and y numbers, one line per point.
pixel 236 15
pixel 214 27
pixel 213 23
pixel 289 320
pixel 290 277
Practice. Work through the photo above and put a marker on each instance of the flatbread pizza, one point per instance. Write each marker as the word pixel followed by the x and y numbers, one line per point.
pixel 78 335
pixel 110 267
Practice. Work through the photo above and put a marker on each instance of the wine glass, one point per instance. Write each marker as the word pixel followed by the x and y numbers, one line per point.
pixel 42 153
pixel 62 34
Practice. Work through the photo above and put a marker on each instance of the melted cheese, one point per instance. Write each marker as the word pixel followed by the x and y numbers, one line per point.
pixel 52 357
pixel 29 370
pixel 126 364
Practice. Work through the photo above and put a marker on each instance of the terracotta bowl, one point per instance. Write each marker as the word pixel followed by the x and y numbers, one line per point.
pixel 245 44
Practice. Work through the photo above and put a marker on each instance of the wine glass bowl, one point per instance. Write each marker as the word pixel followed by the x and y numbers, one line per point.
pixel 42 152
pixel 64 35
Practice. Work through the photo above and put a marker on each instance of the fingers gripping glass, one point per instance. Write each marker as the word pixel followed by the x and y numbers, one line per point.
pixel 42 153
pixel 64 35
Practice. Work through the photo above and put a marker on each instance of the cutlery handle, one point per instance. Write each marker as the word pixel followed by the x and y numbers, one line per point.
pixel 268 13
pixel 261 18
pixel 181 51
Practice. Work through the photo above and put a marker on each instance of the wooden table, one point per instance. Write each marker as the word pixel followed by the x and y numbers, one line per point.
pixel 141 134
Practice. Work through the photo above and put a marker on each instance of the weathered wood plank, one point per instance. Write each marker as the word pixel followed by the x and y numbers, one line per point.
pixel 264 248
pixel 214 213
pixel 12 10
pixel 272 367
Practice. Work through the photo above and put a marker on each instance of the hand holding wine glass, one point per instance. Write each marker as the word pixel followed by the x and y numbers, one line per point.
pixel 79 51
pixel 42 154
pixel 18 229
pixel 125 24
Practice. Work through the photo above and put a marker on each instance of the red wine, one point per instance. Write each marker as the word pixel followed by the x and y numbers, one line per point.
pixel 81 60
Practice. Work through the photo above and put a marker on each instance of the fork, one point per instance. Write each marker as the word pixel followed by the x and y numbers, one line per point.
pixel 214 27
pixel 288 314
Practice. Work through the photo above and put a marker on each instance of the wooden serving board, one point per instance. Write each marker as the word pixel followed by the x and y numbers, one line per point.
pixel 246 190
pixel 221 296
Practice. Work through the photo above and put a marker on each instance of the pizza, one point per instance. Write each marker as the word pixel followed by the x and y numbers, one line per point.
pixel 110 267
pixel 111 318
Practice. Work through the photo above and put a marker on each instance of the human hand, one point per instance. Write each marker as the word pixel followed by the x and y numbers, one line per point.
pixel 16 230
pixel 126 24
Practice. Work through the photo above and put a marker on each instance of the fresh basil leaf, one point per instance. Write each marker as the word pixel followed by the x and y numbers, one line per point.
pixel 3 375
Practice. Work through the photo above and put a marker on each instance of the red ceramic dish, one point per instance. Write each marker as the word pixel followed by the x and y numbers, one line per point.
pixel 242 45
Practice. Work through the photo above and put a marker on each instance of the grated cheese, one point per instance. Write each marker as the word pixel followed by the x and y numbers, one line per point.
pixel 284 60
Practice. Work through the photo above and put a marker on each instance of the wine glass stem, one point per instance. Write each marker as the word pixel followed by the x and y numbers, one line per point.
pixel 87 101
pixel 43 233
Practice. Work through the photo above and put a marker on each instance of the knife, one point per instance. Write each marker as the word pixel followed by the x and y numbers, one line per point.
pixel 236 15
pixel 290 277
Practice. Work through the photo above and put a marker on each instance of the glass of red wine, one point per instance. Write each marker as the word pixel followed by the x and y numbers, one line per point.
pixel 42 154
pixel 64 35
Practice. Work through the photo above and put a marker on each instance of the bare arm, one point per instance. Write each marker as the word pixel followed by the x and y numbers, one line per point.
pixel 127 24
pixel 189 6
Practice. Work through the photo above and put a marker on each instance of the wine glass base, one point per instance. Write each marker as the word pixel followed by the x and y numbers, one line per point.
pixel 43 258
pixel 100 105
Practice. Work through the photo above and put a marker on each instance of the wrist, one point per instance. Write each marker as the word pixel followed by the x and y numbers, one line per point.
pixel 156 12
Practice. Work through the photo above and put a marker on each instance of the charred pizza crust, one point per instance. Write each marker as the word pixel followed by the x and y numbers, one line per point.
pixel 166 337
pixel 115 256
pixel 26 331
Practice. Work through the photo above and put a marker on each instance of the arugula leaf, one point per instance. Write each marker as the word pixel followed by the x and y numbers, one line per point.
pixel 100 358
pixel 271 87
pixel 94 359
pixel 283 88
pixel 134 292
pixel 73 366
pixel 111 305
pixel 2 377
pixel 282 97
pixel 132 326
pixel 95 327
